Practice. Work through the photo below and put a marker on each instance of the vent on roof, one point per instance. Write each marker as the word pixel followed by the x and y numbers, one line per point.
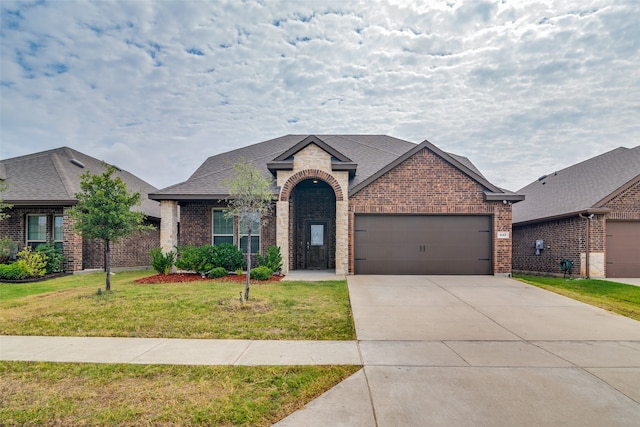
pixel 542 177
pixel 77 163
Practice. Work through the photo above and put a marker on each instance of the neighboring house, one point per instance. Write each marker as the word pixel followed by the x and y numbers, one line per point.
pixel 363 204
pixel 41 188
pixel 588 214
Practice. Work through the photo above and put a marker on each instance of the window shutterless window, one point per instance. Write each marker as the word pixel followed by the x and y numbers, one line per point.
pixel 36 230
pixel 255 236
pixel 222 228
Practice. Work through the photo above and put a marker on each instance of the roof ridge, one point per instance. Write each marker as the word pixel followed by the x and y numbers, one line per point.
pixel 371 146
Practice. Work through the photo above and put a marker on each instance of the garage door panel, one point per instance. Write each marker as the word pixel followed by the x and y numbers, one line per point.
pixel 435 244
pixel 623 249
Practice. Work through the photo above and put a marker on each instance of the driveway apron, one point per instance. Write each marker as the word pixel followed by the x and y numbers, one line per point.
pixel 482 351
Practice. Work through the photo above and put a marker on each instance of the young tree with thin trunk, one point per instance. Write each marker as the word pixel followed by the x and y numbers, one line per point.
pixel 251 199
pixel 104 212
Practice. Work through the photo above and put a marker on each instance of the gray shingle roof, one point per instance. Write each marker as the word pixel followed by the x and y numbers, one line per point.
pixel 371 153
pixel 583 186
pixel 51 178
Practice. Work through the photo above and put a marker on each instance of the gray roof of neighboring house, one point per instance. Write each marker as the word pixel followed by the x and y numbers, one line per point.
pixel 587 185
pixel 52 178
pixel 371 153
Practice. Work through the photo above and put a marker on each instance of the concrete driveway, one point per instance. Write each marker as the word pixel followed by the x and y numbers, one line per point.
pixel 482 351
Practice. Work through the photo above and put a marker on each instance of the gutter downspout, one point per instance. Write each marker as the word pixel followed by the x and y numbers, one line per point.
pixel 587 250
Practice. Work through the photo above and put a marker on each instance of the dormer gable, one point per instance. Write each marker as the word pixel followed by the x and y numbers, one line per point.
pixel 339 162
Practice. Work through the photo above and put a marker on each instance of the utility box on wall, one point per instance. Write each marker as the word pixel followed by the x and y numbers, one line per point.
pixel 539 246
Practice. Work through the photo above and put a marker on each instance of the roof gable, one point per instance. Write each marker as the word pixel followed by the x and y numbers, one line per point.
pixel 51 178
pixel 466 168
pixel 586 185
pixel 339 162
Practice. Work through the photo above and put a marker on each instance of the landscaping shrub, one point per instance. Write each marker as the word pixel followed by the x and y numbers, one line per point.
pixel 35 263
pixel 229 257
pixel 160 262
pixel 273 259
pixel 199 259
pixel 217 272
pixel 54 257
pixel 8 249
pixel 261 273
pixel 14 271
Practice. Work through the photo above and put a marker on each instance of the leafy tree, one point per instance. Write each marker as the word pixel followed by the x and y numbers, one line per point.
pixel 104 212
pixel 250 199
pixel 3 205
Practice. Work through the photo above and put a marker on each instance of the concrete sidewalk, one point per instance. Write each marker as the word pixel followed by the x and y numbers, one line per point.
pixel 178 351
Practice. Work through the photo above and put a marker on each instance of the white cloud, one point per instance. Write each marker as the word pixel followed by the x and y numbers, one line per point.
pixel 521 88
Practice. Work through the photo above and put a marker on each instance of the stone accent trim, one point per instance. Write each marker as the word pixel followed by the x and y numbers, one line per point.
pixel 296 178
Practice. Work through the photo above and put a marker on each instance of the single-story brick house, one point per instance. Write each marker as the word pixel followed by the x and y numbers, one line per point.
pixel 356 204
pixel 588 213
pixel 41 188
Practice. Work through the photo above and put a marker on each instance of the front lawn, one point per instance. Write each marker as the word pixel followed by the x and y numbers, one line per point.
pixel 113 394
pixel 616 297
pixel 70 306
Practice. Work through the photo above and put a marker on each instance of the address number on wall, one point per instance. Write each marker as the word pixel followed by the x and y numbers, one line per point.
pixel 503 234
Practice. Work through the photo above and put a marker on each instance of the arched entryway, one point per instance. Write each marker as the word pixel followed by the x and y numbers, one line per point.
pixel 312 222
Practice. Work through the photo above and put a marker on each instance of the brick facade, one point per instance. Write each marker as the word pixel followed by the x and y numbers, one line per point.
pixel 196 227
pixel 80 253
pixel 131 251
pixel 565 238
pixel 426 184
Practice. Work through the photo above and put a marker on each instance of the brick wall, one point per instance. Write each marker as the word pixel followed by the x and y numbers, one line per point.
pixel 195 223
pixel 196 228
pixel 131 251
pixel 80 253
pixel 626 205
pixel 563 239
pixel 566 238
pixel 426 184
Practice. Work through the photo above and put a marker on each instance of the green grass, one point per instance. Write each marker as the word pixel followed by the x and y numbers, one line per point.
pixel 42 393
pixel 616 297
pixel 69 306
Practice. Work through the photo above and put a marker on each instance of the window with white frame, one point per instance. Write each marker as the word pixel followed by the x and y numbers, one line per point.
pixel 36 230
pixel 255 236
pixel 58 233
pixel 222 228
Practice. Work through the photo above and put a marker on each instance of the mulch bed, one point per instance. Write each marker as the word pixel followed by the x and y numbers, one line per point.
pixel 194 277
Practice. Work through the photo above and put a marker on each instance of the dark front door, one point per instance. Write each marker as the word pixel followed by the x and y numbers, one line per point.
pixel 316 243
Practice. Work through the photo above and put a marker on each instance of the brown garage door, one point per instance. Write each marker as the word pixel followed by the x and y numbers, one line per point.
pixel 623 249
pixel 422 244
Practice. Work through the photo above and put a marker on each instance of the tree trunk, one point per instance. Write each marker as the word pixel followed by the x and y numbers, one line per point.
pixel 246 287
pixel 107 263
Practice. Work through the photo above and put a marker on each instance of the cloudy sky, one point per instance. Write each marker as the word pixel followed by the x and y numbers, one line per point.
pixel 522 88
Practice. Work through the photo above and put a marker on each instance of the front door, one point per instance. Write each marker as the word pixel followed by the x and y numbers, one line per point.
pixel 316 243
